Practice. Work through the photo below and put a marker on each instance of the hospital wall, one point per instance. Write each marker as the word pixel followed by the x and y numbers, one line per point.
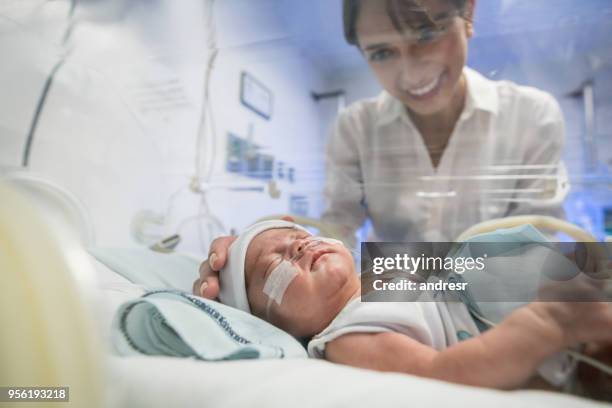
pixel 255 42
pixel 119 126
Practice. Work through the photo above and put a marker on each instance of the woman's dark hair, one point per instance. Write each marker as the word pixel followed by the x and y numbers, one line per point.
pixel 403 13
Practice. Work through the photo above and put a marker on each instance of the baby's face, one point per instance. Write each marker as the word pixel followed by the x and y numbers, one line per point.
pixel 325 280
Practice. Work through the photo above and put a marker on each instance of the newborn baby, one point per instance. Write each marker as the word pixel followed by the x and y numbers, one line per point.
pixel 307 286
pixel 279 272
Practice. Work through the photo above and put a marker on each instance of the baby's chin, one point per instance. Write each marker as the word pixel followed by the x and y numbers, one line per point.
pixel 334 273
pixel 307 326
pixel 310 316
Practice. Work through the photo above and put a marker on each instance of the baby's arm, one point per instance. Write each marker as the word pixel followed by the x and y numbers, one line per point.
pixel 503 357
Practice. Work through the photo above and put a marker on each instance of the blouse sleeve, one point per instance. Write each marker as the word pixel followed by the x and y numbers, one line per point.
pixel 344 191
pixel 543 147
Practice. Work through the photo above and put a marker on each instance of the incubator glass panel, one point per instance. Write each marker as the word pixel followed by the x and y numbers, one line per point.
pixel 391 120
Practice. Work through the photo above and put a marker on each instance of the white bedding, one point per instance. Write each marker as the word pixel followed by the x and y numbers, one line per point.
pixel 170 382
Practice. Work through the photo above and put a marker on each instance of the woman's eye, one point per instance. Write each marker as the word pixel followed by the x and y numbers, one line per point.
pixel 381 55
pixel 430 35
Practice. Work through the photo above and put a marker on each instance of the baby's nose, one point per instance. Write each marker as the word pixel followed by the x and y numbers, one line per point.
pixel 299 246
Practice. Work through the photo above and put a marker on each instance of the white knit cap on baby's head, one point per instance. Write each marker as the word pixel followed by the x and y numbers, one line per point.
pixel 231 278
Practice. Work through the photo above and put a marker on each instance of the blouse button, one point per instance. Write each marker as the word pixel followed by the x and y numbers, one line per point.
pixel 463 335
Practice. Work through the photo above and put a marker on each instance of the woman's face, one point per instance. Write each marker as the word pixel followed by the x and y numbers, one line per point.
pixel 423 73
pixel 325 280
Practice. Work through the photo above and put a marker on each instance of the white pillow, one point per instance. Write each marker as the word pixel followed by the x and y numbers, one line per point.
pixel 149 269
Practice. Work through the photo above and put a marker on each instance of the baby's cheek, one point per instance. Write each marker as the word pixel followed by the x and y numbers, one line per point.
pixel 301 293
pixel 298 288
pixel 257 301
pixel 335 276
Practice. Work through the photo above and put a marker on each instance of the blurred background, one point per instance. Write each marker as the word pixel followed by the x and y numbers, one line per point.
pixel 197 117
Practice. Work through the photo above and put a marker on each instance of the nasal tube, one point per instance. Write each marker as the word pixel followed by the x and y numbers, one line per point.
pixel 281 277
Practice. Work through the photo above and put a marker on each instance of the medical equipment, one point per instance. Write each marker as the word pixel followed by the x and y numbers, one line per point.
pixel 596 252
pixel 209 225
pixel 206 132
pixel 166 245
pixel 587 94
pixel 560 188
pixel 554 191
pixel 537 221
pixel 47 87
pixel 151 228
pixel 60 205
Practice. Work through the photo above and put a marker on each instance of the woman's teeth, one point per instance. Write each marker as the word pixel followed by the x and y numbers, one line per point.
pixel 427 88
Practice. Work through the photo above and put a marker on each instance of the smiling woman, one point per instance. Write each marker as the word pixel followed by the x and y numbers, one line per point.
pixel 440 149
pixel 417 160
pixel 417 52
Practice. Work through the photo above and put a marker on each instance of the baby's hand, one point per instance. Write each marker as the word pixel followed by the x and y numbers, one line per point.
pixel 578 308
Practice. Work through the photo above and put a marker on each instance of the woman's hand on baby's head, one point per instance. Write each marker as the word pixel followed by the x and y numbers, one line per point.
pixel 207 285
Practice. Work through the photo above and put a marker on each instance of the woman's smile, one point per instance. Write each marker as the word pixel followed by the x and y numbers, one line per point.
pixel 428 90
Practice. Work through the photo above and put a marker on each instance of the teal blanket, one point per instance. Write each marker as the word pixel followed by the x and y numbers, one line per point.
pixel 172 323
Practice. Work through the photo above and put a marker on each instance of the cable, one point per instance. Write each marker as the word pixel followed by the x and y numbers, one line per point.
pixel 207 133
pixel 207 119
pixel 591 361
pixel 25 161
pixel 204 166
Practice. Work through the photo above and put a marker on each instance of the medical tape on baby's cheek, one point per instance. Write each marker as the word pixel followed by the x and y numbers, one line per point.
pixel 278 282
pixel 279 279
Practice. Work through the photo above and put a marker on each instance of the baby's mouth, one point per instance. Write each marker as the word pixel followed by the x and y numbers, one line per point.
pixel 317 255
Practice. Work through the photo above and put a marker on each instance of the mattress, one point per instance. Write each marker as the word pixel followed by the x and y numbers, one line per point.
pixel 143 381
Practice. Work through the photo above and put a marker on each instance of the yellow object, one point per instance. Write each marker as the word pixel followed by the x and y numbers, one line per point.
pixel 538 221
pixel 47 333
pixel 597 261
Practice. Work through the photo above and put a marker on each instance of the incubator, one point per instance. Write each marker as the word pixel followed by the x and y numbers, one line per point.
pixel 155 127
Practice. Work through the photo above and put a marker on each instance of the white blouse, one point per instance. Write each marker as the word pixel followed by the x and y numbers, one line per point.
pixel 502 159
